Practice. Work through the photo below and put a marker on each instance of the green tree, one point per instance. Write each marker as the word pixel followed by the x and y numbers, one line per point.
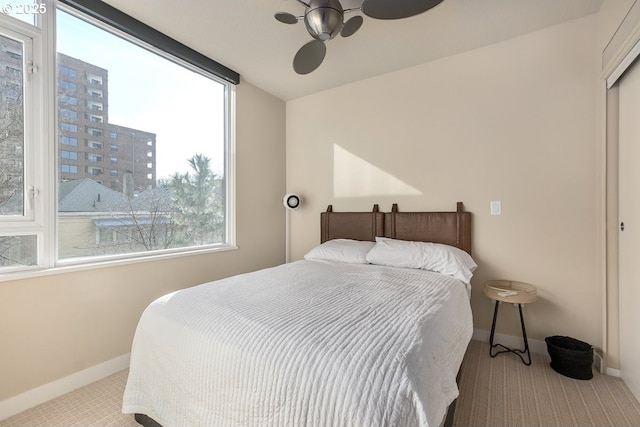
pixel 198 204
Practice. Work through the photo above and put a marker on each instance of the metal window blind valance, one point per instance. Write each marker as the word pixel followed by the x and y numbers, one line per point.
pixel 129 25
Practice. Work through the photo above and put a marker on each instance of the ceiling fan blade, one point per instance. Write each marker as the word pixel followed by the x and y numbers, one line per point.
pixel 286 18
pixel 398 9
pixel 309 57
pixel 351 26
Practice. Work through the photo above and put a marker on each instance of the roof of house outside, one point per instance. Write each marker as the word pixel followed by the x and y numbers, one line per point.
pixel 87 195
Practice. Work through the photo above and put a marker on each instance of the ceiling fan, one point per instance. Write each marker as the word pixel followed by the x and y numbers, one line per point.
pixel 324 20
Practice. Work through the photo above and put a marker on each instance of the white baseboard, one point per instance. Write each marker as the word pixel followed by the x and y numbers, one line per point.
pixel 613 372
pixel 16 404
pixel 535 346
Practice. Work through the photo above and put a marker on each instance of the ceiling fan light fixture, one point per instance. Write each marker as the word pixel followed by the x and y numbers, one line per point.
pixel 324 19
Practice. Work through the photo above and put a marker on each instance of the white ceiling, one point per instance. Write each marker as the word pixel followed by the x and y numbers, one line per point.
pixel 244 36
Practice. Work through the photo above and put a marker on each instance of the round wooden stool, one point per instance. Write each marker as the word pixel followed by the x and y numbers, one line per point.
pixel 517 293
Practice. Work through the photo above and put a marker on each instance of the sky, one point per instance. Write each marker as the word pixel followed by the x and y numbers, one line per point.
pixel 149 93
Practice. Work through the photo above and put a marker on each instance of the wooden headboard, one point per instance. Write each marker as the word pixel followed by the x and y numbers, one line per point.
pixel 450 228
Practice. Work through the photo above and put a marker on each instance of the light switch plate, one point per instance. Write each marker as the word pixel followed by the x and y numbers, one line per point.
pixel 496 207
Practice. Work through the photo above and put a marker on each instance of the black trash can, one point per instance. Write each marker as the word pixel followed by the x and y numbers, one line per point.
pixel 570 357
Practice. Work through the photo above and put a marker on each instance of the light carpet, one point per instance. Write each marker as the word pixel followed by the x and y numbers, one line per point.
pixel 502 391
pixel 494 392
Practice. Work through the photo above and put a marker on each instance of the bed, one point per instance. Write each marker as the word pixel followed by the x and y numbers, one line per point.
pixel 368 330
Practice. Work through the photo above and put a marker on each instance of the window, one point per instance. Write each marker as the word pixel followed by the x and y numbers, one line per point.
pixel 106 235
pixel 69 168
pixel 94 79
pixel 68 127
pixel 13 53
pixel 66 71
pixel 66 99
pixel 94 131
pixel 91 170
pixel 69 86
pixel 93 118
pixel 71 155
pixel 70 114
pixel 67 140
pixel 94 144
pixel 142 203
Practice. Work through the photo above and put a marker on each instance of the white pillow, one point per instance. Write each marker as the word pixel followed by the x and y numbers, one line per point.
pixel 342 250
pixel 437 257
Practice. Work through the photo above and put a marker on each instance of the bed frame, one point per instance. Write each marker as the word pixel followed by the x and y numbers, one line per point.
pixel 450 228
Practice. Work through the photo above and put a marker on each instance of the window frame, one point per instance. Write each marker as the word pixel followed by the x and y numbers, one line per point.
pixel 33 221
pixel 42 150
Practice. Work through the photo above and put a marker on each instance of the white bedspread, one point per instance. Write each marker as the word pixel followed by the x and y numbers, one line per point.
pixel 310 343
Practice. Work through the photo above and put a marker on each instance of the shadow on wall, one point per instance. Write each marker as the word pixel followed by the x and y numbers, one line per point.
pixel 355 177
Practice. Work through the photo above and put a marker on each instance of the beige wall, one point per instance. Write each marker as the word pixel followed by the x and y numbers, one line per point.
pixel 53 326
pixel 514 121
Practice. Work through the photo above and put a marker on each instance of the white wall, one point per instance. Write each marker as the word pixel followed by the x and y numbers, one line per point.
pixel 54 326
pixel 514 121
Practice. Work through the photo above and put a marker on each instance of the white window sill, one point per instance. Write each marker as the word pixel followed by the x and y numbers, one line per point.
pixel 104 263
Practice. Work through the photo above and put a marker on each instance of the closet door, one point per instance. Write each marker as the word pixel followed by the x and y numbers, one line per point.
pixel 629 228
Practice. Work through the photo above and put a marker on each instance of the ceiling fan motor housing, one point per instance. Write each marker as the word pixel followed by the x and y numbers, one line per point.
pixel 324 19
